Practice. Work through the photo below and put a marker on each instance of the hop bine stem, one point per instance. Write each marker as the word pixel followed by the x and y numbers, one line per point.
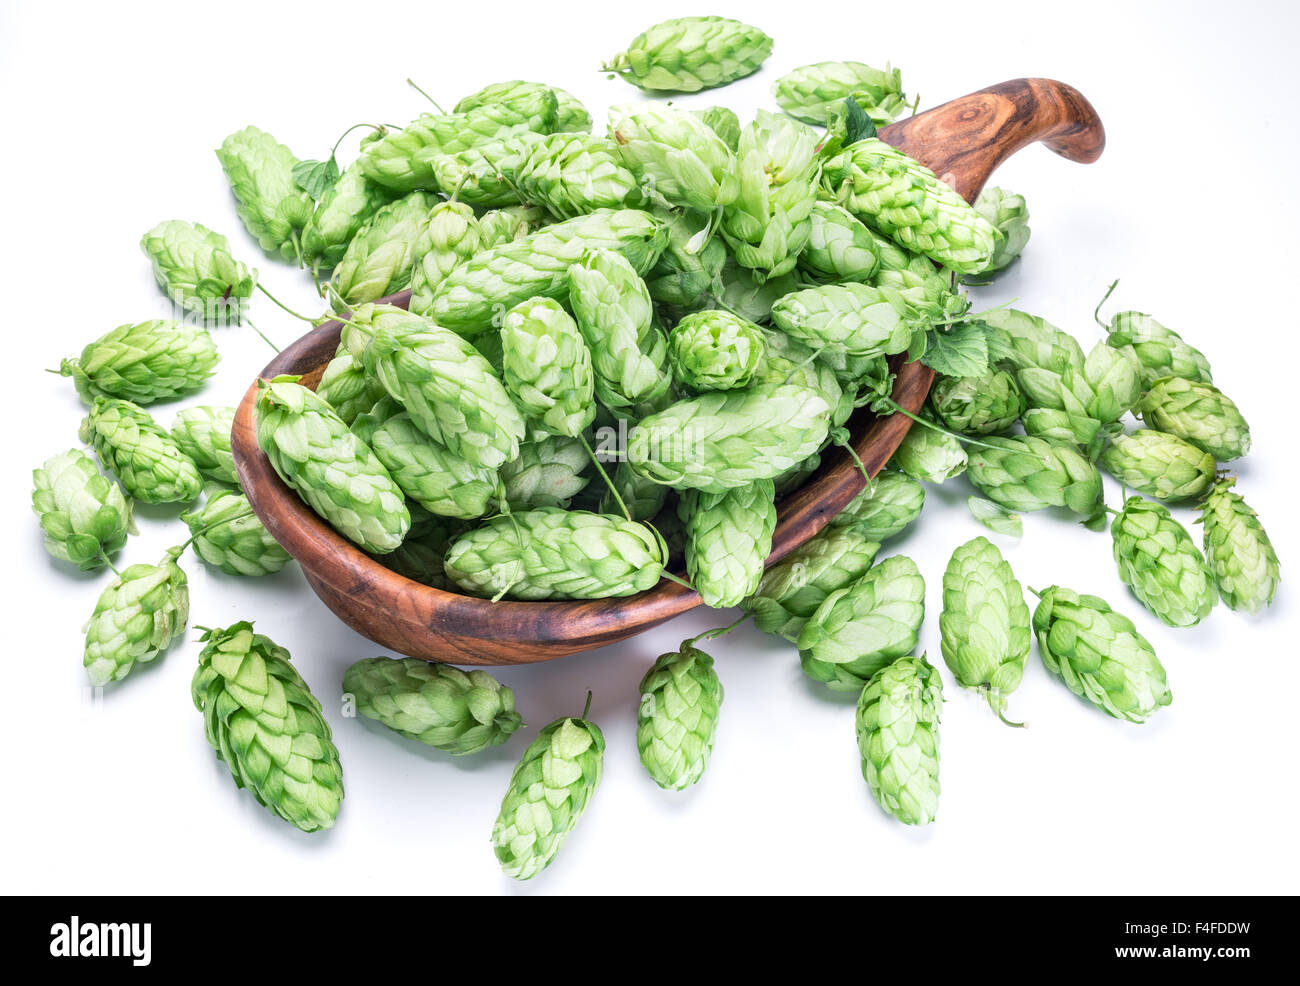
pixel 262 334
pixel 586 709
pixel 411 83
pixel 103 555
pixel 880 400
pixel 281 305
pixel 1096 312
pixel 605 476
pixel 716 632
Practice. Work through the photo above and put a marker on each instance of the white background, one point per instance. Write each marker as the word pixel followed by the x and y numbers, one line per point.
pixel 110 114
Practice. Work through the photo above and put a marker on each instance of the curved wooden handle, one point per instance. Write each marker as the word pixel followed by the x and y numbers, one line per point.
pixel 965 140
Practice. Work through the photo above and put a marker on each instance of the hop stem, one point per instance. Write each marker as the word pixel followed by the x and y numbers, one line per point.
pixel 893 405
pixel 281 305
pixel 716 632
pixel 262 334
pixel 605 476
pixel 586 709
pixel 411 83
pixel 1096 312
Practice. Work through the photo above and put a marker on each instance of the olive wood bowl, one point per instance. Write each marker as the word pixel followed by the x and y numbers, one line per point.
pixel 962 141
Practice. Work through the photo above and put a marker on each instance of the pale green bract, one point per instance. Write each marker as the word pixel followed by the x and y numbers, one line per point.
pixel 1159 465
pixel 856 318
pixel 840 248
pixel 1160 562
pixel 1239 552
pixel 1160 351
pixel 548 472
pixel 572 115
pixel 1027 473
pixel 687 54
pixel 885 508
pixel 1196 412
pixel 573 174
pixel 453 236
pixel 347 388
pixel 379 259
pixel 150 465
pixel 714 350
pixel 686 274
pixel 229 537
pixel 810 92
pixel 340 214
pixel 196 270
pixel 203 433
pixel 144 362
pixel 675 155
pixel 1009 214
pixel 929 455
pixel 982 405
pixel 272 207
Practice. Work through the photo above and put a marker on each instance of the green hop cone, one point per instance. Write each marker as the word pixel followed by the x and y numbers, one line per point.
pixel 675 154
pixel 687 54
pixel 573 174
pixel 484 175
pixel 1159 465
pixel 548 472
pixel 347 388
pixel 1081 403
pixel 685 276
pixel 1160 352
pixel 723 122
pixel 677 717
pixel 511 223
pixel 902 199
pixel 549 790
pixel 927 294
pixel 856 318
pixel 1023 341
pixel 928 455
pixel 891 502
pixel 861 629
pixel 1160 562
pixel 452 237
pixel 345 208
pixel 1027 473
pixel 379 258
pixel 437 705
pixel 642 497
pixel 82 512
pixel 271 205
pixel 136 619
pixel 265 724
pixel 150 465
pixel 1099 655
pixel 572 115
pixel 550 553
pixel 1198 413
pixel 793 588
pixel 1240 555
pixel 726 439
pixel 229 537
pixel 203 433
pixel 1009 214
pixel 984 624
pixel 419 557
pixel 195 269
pixel 898 738
pixel 786 360
pixel 145 362
pixel 714 350
pixel 548 367
pixel 840 248
pixel 982 405
pixel 810 92
pixel 334 472
pixel 728 538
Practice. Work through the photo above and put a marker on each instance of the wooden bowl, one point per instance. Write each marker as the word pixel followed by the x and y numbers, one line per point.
pixel 962 141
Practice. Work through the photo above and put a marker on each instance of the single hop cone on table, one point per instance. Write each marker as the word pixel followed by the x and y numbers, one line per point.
pixel 1027 473
pixel 340 214
pixel 676 154
pixel 574 174
pixel 136 618
pixel 194 267
pixel 891 501
pixel 1160 562
pixel 271 205
pixel 1240 555
pixel 714 350
pixel 145 362
pixel 1161 352
pixel 687 54
pixel 1159 465
pixel 1009 215
pixel 898 739
pixel 549 472
pixel 548 367
pixel 83 513
pixel 983 405
pixel 728 538
pixel 840 248
pixel 452 237
pixel 929 455
pixel 150 465
pixel 380 257
pixel 810 92
pixel 203 433
pixel 229 537
pixel 1196 412
pixel 440 706
pixel 264 723
pixel 516 94
pixel 677 717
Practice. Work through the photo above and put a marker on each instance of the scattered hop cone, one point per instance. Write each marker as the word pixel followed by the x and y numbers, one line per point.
pixel 1160 352
pixel 861 629
pixel 548 367
pixel 982 405
pixel 677 717
pixel 150 465
pixel 379 259
pixel 434 704
pixel 1099 655
pixel 1240 555
pixel 145 362
pixel 856 318
pixel 714 350
pixel 1009 214
pixel 229 537
pixel 348 389
pixel 265 724
pixel 642 497
pixel 1197 412
pixel 984 624
pixel 898 738
pixel 929 455
pixel 687 54
pixel 1023 340
pixel 728 538
pixel 810 92
pixel 203 433
pixel 1081 402
pixel 83 513
pixel 574 174
pixel 548 472
pixel 342 212
pixel 572 115
pixel 840 248
pixel 452 237
pixel 1160 562
pixel 136 619
pixel 270 204
pixel 684 276
pixel 722 122
pixel 885 508
pixel 195 268
pixel 676 154
pixel 1027 473
pixel 1159 465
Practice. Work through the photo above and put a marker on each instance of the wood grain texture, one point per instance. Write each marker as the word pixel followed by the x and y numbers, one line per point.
pixel 963 141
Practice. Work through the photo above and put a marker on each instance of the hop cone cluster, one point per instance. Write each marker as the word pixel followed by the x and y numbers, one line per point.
pixel 435 704
pixel 548 367
pixel 345 208
pixel 1080 403
pixel 898 738
pixel 194 265
pixel 982 405
pixel 1160 351
pixel 687 54
pixel 1199 413
pixel 1028 473
pixel 265 724
pixel 678 716
pixel 684 275
pixel 929 455
pixel 728 537
pixel 857 318
pixel 548 472
pixel 1009 215
pixel 840 248
pixel 203 433
pixel 884 509
pixel 347 388
pixel 83 513
pixel 150 465
pixel 272 207
pixel 573 174
pixel 714 350
pixel 379 259
pixel 810 92
pixel 136 619
pixel 675 154
pixel 1240 555
pixel 229 537
pixel 1160 562
pixel 1159 465
pixel 517 94
pixel 452 237
pixel 145 362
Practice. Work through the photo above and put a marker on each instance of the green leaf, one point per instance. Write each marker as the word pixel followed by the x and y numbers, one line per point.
pixel 996 518
pixel 857 125
pixel 962 351
pixel 316 177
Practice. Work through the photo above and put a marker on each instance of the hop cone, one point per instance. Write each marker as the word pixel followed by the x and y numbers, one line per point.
pixel 548 367
pixel 334 472
pixel 642 497
pixel 1027 473
pixel 768 224
pixel 345 208
pixel 484 175
pixel 573 174
pixel 810 92
pixel 511 223
pixel 145 362
pixel 1025 340
pixel 136 618
pixel 379 259
pixel 726 439
pixel 194 266
pixel 714 350
pixel 495 280
pixel 864 627
pixel 265 724
pixel 556 554
pixel 898 738
pixel 228 536
pixel 1160 562
pixel 347 388
pixel 675 154
pixel 548 792
pixel 150 465
pixel 786 360
pixel 1240 555
pixel 1009 214
pixel 677 717
pixel 687 54
pixel 927 294
pixel 1079 403
pixel 272 207
pixel 83 513
pixel 984 624
pixel 1160 352
pixel 857 318
pixel 1099 655
pixel 684 276
pixel 516 94
pixel 548 472
pixel 203 433
pixel 903 200
pixel 440 706
pixel 452 237
pixel 891 502
pixel 982 405
pixel 792 589
pixel 1158 465
pixel 929 455
pixel 840 248
pixel 1199 413
pixel 728 537
pixel 723 122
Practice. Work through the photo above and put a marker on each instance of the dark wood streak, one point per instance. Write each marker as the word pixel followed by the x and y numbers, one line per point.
pixel 962 141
